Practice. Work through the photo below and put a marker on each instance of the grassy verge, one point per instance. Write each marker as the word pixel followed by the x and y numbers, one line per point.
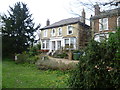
pixel 28 76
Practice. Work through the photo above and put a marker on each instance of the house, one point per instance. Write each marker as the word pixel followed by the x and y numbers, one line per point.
pixel 104 22
pixel 71 33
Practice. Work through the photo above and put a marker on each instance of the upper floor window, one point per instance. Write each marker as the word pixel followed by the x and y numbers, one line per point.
pixel 103 24
pixel 118 21
pixel 45 33
pixel 53 32
pixel 59 31
pixel 70 30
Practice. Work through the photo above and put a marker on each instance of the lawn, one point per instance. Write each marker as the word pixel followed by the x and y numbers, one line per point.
pixel 28 76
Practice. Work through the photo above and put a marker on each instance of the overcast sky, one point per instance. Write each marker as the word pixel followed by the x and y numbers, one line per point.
pixel 54 10
pixel 41 9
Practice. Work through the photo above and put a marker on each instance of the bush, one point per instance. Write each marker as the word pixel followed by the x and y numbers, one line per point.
pixel 61 54
pixel 33 59
pixel 46 63
pixel 26 58
pixel 22 58
pixel 100 65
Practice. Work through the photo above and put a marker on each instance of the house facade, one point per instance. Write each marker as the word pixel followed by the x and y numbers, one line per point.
pixel 68 33
pixel 104 22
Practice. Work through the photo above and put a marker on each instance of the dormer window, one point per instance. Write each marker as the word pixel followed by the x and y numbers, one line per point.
pixel 103 24
pixel 53 32
pixel 69 30
pixel 59 31
pixel 45 33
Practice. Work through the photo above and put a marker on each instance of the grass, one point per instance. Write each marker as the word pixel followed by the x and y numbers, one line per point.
pixel 28 76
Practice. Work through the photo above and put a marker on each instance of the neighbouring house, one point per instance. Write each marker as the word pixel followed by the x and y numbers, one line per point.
pixel 71 33
pixel 104 22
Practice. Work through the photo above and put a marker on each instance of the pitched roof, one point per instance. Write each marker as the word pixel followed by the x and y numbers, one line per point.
pixel 107 13
pixel 65 22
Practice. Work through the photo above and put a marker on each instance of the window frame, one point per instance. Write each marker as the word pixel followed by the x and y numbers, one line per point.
pixel 118 21
pixel 69 30
pixel 45 44
pixel 59 31
pixel 53 34
pixel 69 44
pixel 45 33
pixel 103 24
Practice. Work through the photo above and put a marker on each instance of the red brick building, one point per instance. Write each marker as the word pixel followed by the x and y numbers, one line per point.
pixel 104 22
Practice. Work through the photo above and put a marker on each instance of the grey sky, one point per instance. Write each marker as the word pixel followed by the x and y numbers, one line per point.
pixel 54 10
pixel 41 9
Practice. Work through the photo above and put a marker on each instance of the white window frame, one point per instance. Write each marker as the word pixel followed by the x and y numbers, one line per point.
pixel 53 34
pixel 103 24
pixel 118 21
pixel 59 31
pixel 44 43
pixel 45 33
pixel 70 41
pixel 47 44
pixel 68 29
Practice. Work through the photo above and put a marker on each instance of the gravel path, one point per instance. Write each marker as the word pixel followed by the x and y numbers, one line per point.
pixel 66 61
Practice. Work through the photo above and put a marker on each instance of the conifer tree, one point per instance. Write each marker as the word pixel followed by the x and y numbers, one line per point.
pixel 18 30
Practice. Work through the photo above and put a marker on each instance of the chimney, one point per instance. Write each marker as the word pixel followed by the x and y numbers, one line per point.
pixel 91 21
pixel 97 9
pixel 47 22
pixel 83 16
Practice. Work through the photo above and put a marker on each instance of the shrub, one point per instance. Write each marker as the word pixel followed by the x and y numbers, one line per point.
pixel 100 65
pixel 33 59
pixel 33 51
pixel 61 54
pixel 46 63
pixel 22 58
pixel 26 58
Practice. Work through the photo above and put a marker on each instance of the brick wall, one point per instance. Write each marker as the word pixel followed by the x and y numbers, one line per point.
pixel 112 24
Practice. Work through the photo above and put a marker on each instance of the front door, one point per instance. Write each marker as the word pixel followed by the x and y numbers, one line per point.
pixel 53 45
pixel 59 44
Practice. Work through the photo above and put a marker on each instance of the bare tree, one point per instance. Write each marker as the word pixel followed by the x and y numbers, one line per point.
pixel 76 6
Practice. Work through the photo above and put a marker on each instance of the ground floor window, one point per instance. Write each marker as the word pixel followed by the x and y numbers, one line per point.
pixel 101 37
pixel 45 44
pixel 70 42
pixel 66 43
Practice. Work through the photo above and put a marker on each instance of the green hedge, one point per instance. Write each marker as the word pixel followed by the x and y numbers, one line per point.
pixel 99 67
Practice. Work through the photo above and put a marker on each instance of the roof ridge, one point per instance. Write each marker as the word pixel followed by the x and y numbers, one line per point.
pixel 104 11
pixel 62 22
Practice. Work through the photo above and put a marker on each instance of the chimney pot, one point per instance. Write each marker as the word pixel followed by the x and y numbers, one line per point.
pixel 48 22
pixel 83 16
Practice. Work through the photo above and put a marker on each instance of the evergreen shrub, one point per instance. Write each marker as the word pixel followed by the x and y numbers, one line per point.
pixel 99 67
